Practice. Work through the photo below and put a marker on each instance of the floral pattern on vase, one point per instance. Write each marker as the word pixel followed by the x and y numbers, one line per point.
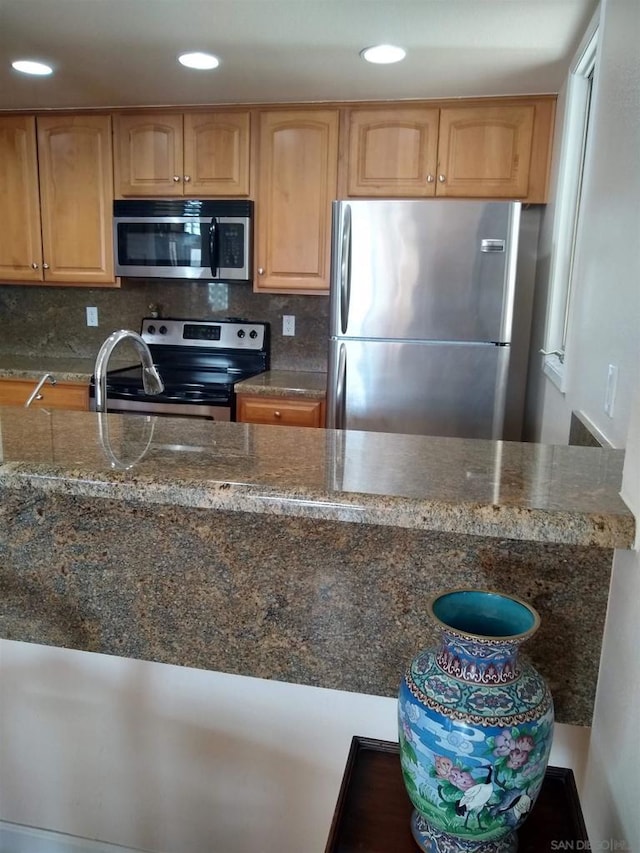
pixel 475 726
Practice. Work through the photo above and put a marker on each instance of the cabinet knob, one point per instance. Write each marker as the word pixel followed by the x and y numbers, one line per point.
pixel 34 266
pixel 260 270
pixel 176 179
pixel 429 179
pixel 45 266
pixel 277 414
pixel 441 178
pixel 187 178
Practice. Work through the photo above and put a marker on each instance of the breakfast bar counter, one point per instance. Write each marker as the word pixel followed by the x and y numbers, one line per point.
pixel 302 555
pixel 510 490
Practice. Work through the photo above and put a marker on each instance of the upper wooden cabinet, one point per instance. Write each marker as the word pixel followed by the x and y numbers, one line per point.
pixel 173 154
pixel 76 194
pixel 70 206
pixel 487 149
pixel 393 151
pixel 20 237
pixel 297 181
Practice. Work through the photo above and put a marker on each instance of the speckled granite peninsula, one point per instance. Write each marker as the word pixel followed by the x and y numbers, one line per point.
pixel 224 546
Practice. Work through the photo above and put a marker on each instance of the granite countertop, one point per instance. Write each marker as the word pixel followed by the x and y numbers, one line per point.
pixel 273 383
pixel 528 492
pixel 285 383
pixel 69 369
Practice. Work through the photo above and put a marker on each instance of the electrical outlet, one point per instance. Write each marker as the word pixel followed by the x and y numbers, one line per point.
pixel 288 324
pixel 610 391
pixel 92 316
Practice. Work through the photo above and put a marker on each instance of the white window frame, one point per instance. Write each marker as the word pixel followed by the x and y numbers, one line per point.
pixel 566 223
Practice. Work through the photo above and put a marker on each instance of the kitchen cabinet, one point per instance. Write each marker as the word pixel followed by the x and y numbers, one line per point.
pixel 56 209
pixel 182 154
pixel 393 152
pixel 62 395
pixel 477 149
pixel 20 236
pixel 283 411
pixel 297 181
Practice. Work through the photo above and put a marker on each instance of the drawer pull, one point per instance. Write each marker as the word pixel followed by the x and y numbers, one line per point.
pixel 277 414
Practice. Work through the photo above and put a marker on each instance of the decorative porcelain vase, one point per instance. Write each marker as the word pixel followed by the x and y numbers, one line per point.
pixel 475 726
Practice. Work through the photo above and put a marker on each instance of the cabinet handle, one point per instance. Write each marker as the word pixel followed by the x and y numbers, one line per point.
pixel 45 266
pixel 260 270
pixel 277 414
pixel 187 179
pixel 34 266
pixel 176 179
pixel 429 179
pixel 441 178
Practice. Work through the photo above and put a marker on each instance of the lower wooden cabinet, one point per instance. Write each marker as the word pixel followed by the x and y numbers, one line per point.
pixel 286 411
pixel 62 395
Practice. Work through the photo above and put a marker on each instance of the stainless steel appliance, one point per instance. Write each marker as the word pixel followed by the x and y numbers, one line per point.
pixel 199 361
pixel 421 317
pixel 184 238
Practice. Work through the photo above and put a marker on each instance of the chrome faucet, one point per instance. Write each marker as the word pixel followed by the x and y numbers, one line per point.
pixel 151 380
pixel 35 394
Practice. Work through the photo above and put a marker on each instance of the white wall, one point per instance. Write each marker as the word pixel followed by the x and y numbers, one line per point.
pixel 179 760
pixel 604 323
pixel 605 328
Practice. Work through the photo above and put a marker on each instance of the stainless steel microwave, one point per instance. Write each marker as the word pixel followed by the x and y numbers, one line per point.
pixel 184 238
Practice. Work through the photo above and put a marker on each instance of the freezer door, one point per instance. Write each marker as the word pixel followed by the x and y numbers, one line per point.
pixel 424 270
pixel 417 388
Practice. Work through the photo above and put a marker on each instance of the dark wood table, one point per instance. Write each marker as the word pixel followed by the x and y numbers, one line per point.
pixel 373 809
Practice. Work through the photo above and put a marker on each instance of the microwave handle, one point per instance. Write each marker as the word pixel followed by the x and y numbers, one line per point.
pixel 213 246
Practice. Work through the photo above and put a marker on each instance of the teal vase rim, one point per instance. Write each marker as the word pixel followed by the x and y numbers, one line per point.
pixel 517 620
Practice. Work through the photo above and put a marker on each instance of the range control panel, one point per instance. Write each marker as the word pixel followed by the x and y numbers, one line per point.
pixel 208 334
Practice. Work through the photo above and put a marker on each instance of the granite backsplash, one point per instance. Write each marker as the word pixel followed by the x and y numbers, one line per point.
pixel 51 321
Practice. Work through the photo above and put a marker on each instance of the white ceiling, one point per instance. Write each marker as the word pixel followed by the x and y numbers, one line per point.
pixel 123 52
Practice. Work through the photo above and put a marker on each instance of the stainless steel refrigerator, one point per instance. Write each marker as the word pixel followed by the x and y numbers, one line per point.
pixel 421 316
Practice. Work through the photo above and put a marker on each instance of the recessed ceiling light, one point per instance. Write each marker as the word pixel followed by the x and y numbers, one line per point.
pixel 28 66
pixel 383 54
pixel 201 61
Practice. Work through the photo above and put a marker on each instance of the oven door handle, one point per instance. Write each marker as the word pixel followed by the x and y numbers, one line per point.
pixel 213 246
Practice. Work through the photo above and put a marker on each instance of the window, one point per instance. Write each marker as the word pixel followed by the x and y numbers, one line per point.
pixel 567 222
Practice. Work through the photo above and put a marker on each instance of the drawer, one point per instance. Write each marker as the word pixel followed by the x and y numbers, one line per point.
pixel 285 411
pixel 62 395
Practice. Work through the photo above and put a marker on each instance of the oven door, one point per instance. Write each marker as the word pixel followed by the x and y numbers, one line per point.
pixel 122 404
pixel 215 248
pixel 173 410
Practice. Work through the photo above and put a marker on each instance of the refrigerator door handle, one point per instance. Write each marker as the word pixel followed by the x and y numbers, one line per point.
pixel 345 269
pixel 341 387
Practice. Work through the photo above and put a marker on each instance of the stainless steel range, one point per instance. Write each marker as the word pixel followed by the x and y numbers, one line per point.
pixel 199 363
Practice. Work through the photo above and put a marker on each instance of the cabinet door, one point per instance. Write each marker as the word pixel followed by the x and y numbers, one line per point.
pixel 485 151
pixel 393 152
pixel 20 241
pixel 282 411
pixel 76 198
pixel 297 182
pixel 216 154
pixel 148 155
